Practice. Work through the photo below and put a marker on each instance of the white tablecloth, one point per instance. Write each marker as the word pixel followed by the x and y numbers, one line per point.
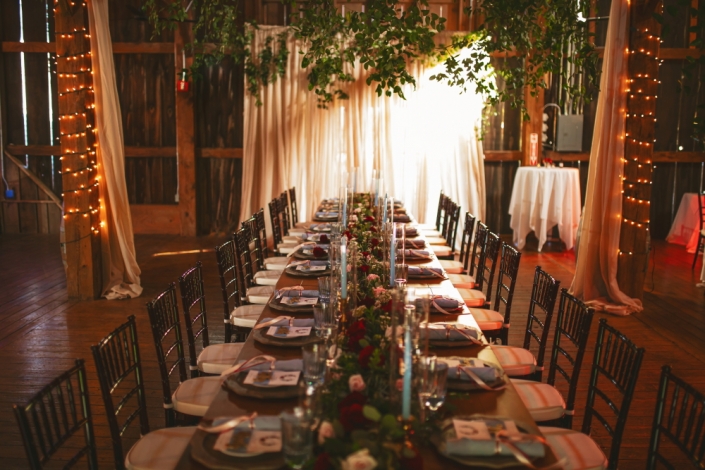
pixel 686 225
pixel 542 198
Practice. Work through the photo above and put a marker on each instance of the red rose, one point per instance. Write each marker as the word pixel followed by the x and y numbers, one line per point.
pixel 373 229
pixel 354 398
pixel 364 268
pixel 324 238
pixel 368 302
pixel 322 462
pixel 352 417
pixel 369 218
pixel 356 332
pixel 348 235
pixel 365 354
pixel 365 254
pixel 374 241
pixel 387 307
pixel 319 252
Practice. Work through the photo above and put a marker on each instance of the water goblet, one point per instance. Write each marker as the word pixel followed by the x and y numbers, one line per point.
pixel 297 437
pixel 314 363
pixel 401 271
pixel 432 377
pixel 324 319
pixel 324 289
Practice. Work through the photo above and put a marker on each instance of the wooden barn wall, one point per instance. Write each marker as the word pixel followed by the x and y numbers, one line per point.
pixel 30 217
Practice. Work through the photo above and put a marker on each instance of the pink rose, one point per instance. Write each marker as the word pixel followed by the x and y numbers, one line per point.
pixel 372 277
pixel 356 383
pixel 326 431
pixel 379 290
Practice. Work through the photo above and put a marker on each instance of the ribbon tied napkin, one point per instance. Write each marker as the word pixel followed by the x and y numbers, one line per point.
pixel 414 244
pixel 424 271
pixel 450 332
pixel 491 437
pixel 309 266
pixel 316 237
pixel 410 232
pixel 296 291
pixel 265 362
pixel 471 369
pixel 320 227
pixel 417 254
pixel 252 436
pixel 403 218
pixel 327 214
pixel 441 303
pixel 285 321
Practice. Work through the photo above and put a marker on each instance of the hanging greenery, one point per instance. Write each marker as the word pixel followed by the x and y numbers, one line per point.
pixel 388 35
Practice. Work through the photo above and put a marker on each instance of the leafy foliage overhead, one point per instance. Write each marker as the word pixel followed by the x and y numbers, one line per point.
pixel 389 34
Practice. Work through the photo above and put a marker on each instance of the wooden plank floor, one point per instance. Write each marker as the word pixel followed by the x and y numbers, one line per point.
pixel 42 331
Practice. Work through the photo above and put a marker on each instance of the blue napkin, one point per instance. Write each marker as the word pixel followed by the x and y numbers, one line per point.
pixel 299 293
pixel 450 335
pixel 297 322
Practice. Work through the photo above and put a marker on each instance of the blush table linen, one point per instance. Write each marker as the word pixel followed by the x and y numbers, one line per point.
pixel 686 226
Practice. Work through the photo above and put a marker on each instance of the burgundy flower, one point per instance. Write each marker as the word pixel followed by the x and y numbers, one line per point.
pixel 319 252
pixel 364 268
pixel 387 307
pixel 369 218
pixel 352 417
pixel 348 235
pixel 373 229
pixel 365 355
pixel 374 241
pixel 356 332
pixel 377 253
pixel 322 462
pixel 354 398
pixel 368 302
pixel 324 238
pixel 365 253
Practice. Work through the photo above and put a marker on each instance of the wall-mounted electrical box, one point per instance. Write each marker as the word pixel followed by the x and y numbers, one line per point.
pixel 569 133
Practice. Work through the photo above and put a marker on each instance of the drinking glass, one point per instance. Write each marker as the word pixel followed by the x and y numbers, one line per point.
pixel 324 319
pixel 324 289
pixel 297 437
pixel 401 270
pixel 314 362
pixel 432 376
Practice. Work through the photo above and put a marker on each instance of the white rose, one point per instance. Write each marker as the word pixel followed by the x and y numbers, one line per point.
pixel 356 383
pixel 325 431
pixel 360 460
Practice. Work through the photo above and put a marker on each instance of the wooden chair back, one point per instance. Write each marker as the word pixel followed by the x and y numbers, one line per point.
pixel 284 214
pixel 573 322
pixel 447 208
pixel 229 282
pixel 275 219
pixel 262 233
pixel 478 249
pixel 51 418
pixel 245 269
pixel 452 233
pixel 615 369
pixel 440 212
pixel 168 341
pixel 294 207
pixel 466 240
pixel 117 361
pixel 506 282
pixel 255 242
pixel 488 266
pixel 193 300
pixel 679 421
pixel 543 300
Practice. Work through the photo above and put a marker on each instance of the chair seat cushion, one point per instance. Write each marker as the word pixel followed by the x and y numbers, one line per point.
pixel 579 450
pixel 516 362
pixel 487 320
pixel 297 231
pixel 426 226
pixel 431 232
pixel 472 297
pixel 462 281
pixel 246 316
pixel 544 402
pixel 194 396
pixel 436 241
pixel 276 263
pixel 267 278
pixel 286 248
pixel 291 238
pixel 161 449
pixel 451 267
pixel 439 250
pixel 217 357
pixel 259 294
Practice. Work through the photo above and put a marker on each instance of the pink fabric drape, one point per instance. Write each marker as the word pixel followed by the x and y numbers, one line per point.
pixel 595 280
pixel 121 274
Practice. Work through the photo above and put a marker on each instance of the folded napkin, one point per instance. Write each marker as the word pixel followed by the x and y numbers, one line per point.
pixel 456 366
pixel 297 322
pixel 263 423
pixel 327 214
pixel 316 237
pixel 320 227
pixel 261 434
pixel 419 271
pixel 297 292
pixel 449 332
pixel 289 365
pixel 411 232
pixel 401 218
pixel 311 262
pixel 441 303
pixel 418 244
pixel 528 444
pixel 416 253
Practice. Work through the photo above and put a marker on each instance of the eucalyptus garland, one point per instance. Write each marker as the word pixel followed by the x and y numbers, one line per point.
pixel 388 35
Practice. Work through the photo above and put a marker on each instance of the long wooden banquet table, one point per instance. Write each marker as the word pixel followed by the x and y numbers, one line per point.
pixel 505 403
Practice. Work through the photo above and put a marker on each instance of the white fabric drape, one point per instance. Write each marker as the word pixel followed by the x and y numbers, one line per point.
pixel 595 278
pixel 121 274
pixel 423 144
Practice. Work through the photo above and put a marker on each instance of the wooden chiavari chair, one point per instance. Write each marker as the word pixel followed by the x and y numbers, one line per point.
pixel 476 298
pixel 701 233
pixel 458 270
pixel 436 229
pixel 271 263
pixel 247 268
pixel 262 277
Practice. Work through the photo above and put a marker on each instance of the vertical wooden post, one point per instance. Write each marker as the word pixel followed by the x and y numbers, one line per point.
pixel 534 108
pixel 78 151
pixel 185 139
pixel 642 84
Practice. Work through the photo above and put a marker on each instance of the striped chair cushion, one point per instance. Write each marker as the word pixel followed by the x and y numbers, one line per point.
pixel 162 448
pixel 579 451
pixel 432 232
pixel 246 316
pixel 436 240
pixel 516 362
pixel 194 396
pixel 473 298
pixel 462 281
pixel 543 401
pixel 267 278
pixel 259 294
pixel 286 248
pixel 276 263
pixel 217 357
pixel 439 250
pixel 487 320
pixel 451 267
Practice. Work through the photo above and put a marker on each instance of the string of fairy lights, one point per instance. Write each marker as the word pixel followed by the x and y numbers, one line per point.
pixel 641 89
pixel 77 132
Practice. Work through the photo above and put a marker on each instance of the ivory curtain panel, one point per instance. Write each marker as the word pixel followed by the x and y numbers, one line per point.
pixel 423 144
pixel 595 280
pixel 121 274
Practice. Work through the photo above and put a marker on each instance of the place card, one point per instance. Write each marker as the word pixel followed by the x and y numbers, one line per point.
pixel 482 429
pixel 288 331
pixel 299 301
pixel 249 441
pixel 272 378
